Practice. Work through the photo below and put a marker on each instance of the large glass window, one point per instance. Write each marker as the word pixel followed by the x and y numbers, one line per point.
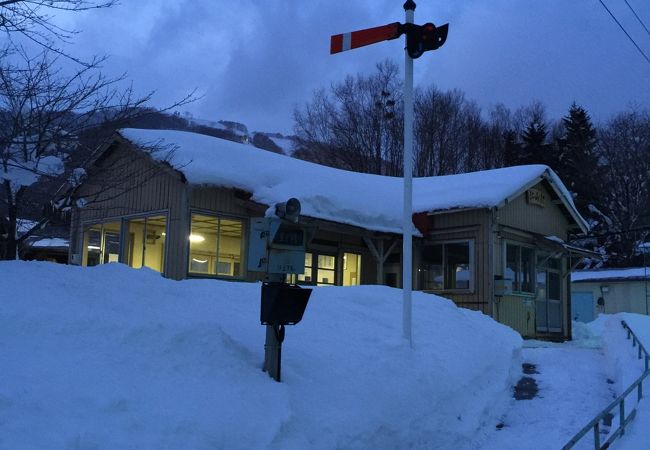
pixel 447 266
pixel 520 268
pixel 146 238
pixel 216 246
pixel 101 244
pixel 319 268
pixel 307 276
pixel 326 269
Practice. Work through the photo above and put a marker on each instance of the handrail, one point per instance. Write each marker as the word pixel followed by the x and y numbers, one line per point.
pixel 619 401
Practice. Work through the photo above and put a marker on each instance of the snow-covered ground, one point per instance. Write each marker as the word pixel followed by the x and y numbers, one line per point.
pixel 577 380
pixel 113 358
pixel 572 389
pixel 638 435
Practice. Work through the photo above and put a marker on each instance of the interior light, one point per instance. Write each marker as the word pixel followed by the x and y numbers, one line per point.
pixel 163 233
pixel 200 261
pixel 93 247
pixel 196 238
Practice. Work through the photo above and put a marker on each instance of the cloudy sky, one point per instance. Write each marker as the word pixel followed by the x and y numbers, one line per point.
pixel 255 60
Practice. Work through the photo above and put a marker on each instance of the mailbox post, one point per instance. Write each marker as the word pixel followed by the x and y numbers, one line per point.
pixel 277 248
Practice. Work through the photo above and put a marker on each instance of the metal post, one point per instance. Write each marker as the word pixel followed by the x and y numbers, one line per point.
pixel 622 414
pixel 407 241
pixel 273 351
pixel 597 436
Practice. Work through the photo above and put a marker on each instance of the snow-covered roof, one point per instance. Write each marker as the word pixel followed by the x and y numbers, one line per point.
pixel 369 201
pixel 50 243
pixel 632 273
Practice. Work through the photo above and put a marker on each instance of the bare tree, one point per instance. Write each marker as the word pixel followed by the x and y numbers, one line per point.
pixel 624 150
pixel 355 125
pixel 34 21
pixel 449 133
pixel 46 115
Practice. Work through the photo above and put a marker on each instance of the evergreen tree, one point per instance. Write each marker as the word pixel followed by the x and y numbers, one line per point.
pixel 578 160
pixel 534 149
pixel 511 149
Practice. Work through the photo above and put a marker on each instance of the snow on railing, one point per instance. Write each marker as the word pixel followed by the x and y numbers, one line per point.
pixel 619 402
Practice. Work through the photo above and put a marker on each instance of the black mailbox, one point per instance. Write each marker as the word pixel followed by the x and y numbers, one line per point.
pixel 283 304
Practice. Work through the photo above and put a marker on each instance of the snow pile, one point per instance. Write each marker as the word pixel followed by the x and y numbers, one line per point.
pixel 623 368
pixel 611 274
pixel 588 335
pixel 369 201
pixel 110 357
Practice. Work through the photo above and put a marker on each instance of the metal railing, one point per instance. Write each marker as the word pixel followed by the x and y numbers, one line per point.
pixel 619 402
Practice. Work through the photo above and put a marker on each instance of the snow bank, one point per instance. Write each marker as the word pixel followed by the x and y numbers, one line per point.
pixel 624 368
pixel 110 357
pixel 611 274
pixel 370 201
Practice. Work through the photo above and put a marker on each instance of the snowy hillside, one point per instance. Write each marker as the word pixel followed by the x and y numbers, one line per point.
pixel 114 358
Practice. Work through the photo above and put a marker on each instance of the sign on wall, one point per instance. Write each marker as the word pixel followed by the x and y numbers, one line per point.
pixel 536 197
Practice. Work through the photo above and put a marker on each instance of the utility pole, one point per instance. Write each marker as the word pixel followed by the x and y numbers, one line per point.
pixel 419 39
pixel 407 221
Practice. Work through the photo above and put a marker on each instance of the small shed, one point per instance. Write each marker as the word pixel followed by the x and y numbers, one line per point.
pixel 610 291
pixel 493 241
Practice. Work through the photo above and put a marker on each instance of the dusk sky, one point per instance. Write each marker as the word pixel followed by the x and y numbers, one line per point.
pixel 254 61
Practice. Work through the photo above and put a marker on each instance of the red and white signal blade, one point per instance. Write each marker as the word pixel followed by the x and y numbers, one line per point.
pixel 355 39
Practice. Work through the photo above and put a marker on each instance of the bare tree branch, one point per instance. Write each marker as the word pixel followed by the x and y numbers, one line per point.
pixel 34 21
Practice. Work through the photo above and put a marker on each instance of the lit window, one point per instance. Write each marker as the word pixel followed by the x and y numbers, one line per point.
pixel 306 277
pixel 351 269
pixel 145 239
pixel 447 266
pixel 216 246
pixel 101 244
pixel 322 272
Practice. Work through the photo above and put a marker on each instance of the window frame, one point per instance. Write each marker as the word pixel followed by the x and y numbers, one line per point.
pixel 243 246
pixel 472 265
pixel 123 220
pixel 312 271
pixel 533 249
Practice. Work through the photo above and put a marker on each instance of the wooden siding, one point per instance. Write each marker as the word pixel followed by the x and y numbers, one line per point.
pixel 549 220
pixel 518 312
pixel 225 201
pixel 127 182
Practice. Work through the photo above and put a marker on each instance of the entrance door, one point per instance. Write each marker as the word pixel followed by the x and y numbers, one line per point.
pixel 582 306
pixel 548 302
pixel 351 269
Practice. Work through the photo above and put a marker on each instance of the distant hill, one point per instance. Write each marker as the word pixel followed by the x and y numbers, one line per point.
pixel 223 129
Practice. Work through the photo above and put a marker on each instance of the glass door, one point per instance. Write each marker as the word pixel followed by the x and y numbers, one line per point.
pixel 351 269
pixel 548 301
pixel 541 318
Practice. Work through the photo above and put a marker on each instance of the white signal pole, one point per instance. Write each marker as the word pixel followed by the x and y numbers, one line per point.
pixel 422 38
pixel 407 240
